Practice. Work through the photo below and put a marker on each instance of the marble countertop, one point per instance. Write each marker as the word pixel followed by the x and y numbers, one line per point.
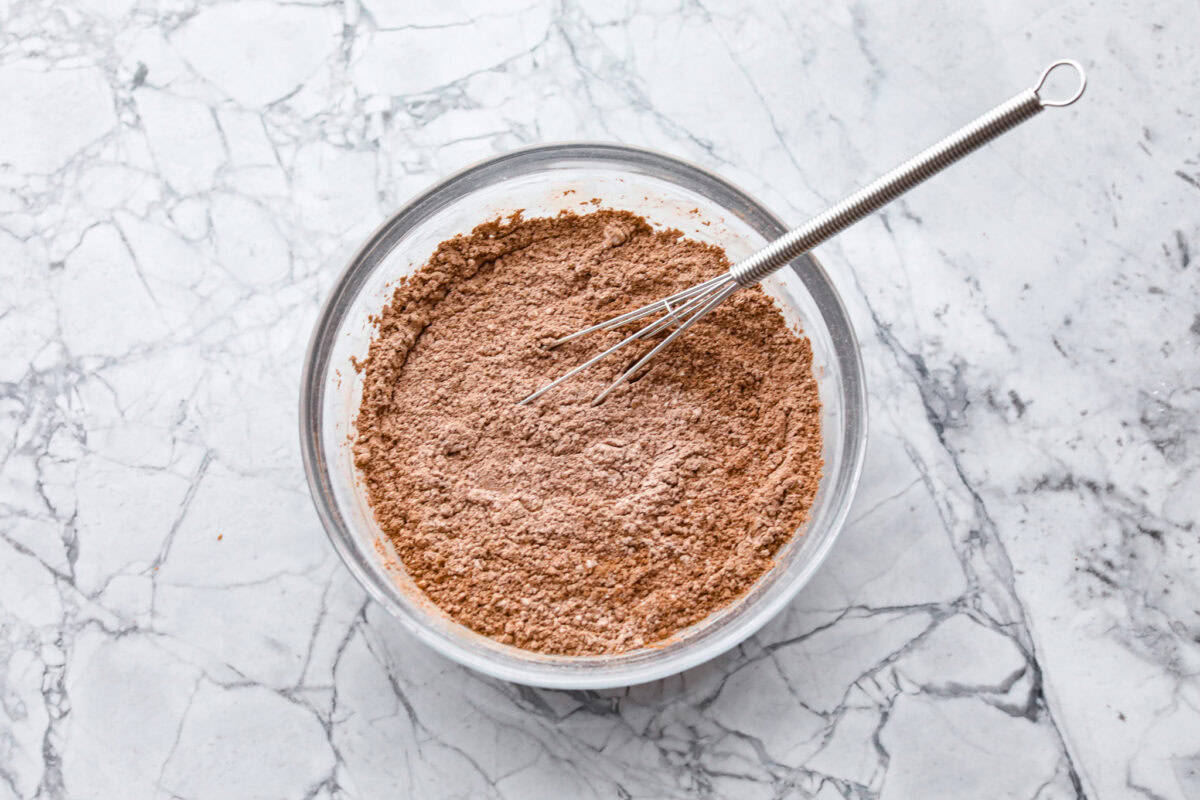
pixel 1012 609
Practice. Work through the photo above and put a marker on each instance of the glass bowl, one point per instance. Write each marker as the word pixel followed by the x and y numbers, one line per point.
pixel 540 180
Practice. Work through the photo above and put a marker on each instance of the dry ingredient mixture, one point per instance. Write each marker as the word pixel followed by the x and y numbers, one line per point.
pixel 565 528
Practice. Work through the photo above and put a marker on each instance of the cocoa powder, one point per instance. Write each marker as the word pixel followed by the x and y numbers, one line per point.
pixel 561 527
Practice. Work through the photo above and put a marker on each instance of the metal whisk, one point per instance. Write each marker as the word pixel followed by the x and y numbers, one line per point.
pixel 684 309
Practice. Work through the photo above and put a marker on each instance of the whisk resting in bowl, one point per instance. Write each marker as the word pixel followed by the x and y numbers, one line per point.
pixel 685 308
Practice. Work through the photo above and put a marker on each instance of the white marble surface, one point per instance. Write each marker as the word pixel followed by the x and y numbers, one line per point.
pixel 1012 611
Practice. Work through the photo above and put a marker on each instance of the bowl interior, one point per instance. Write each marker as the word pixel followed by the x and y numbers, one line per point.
pixel 543 182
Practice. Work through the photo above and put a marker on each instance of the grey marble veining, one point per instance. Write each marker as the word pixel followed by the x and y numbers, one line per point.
pixel 1013 608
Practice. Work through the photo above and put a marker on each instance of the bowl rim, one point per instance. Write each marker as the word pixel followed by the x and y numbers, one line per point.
pixel 312 394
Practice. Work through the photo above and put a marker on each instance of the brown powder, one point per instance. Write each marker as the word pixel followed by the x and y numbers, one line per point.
pixel 561 527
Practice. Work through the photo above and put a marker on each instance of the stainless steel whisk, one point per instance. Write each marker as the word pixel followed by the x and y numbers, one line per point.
pixel 684 309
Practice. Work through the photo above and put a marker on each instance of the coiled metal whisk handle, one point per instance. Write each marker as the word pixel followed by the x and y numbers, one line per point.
pixel 916 170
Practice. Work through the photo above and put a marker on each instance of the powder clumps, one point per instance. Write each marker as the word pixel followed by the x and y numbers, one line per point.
pixel 560 527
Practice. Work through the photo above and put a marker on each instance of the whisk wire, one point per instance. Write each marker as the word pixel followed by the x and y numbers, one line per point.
pixel 644 311
pixel 673 315
pixel 686 308
pixel 719 298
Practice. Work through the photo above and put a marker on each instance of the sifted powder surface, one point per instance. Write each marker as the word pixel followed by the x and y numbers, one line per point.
pixel 565 528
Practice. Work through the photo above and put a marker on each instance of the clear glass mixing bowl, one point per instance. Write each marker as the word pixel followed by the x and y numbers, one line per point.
pixel 669 192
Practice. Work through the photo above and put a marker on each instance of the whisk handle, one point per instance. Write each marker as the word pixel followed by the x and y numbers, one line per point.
pixel 916 170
